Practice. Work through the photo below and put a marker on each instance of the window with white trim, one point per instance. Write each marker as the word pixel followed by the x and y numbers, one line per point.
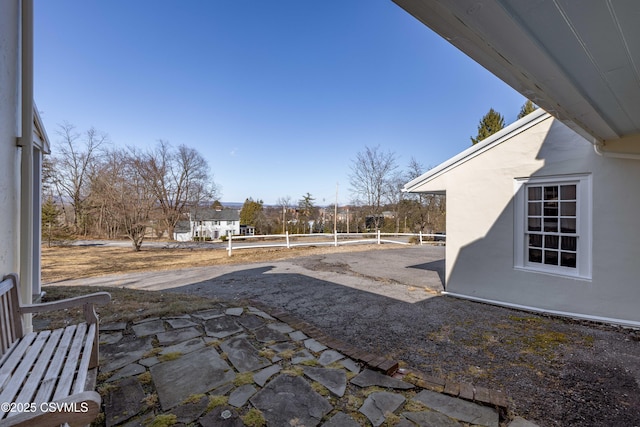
pixel 553 225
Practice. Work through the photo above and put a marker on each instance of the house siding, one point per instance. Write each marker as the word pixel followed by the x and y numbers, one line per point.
pixel 9 125
pixel 480 225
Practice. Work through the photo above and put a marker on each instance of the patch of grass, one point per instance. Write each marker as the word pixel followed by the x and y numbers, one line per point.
pixel 126 304
pixel 194 398
pixel 152 353
pixel 391 419
pixel 354 402
pixel 414 406
pixel 243 378
pixel 293 371
pixel 254 418
pixel 151 400
pixel 145 378
pixel 104 389
pixel 215 401
pixel 310 362
pixel 286 354
pixel 104 376
pixel 370 390
pixel 100 420
pixel 320 389
pixel 167 357
pixel 164 420
pixel 267 353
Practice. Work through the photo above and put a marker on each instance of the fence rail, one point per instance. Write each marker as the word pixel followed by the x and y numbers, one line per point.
pixel 335 239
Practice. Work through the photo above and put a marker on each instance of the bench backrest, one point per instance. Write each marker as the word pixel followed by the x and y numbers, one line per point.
pixel 10 318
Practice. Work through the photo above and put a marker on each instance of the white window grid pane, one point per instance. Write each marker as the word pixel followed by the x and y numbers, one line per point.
pixel 549 248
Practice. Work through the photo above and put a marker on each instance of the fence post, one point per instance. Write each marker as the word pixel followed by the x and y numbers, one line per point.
pixel 229 249
pixel 420 237
pixel 287 237
pixel 378 236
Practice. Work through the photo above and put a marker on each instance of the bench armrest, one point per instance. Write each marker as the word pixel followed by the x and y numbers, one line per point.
pixel 85 410
pixel 86 301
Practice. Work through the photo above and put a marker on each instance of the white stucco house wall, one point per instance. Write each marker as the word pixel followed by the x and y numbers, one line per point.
pixel 23 141
pixel 208 224
pixel 538 219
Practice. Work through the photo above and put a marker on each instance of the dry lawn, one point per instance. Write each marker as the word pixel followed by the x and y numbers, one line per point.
pixel 78 262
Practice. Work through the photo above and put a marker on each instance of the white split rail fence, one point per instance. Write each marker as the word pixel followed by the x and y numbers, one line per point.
pixel 336 239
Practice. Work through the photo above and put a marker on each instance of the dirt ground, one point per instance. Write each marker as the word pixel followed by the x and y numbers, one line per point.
pixel 555 371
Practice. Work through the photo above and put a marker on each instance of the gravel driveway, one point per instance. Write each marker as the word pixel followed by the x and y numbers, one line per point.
pixel 556 372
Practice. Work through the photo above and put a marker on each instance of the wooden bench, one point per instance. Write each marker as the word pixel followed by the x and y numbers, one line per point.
pixel 47 378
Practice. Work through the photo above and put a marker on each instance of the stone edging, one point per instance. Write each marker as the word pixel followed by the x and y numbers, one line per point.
pixel 466 391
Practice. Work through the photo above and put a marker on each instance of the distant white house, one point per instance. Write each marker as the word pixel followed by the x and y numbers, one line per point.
pixel 208 224
pixel 537 219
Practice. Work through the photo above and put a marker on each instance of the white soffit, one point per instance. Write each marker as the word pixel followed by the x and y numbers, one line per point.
pixel 578 60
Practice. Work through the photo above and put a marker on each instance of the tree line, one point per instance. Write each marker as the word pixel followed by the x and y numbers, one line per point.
pixel 91 188
pixel 377 203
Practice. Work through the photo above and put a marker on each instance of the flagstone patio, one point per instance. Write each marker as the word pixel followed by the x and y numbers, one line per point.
pixel 235 366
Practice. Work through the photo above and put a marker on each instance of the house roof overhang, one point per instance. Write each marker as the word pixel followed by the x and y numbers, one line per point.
pixel 580 61
pixel 424 183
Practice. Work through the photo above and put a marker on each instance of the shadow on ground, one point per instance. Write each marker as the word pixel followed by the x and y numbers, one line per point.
pixel 532 358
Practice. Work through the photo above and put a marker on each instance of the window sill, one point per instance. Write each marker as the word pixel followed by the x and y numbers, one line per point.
pixel 548 272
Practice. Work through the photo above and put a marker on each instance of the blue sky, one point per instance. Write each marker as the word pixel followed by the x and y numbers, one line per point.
pixel 279 96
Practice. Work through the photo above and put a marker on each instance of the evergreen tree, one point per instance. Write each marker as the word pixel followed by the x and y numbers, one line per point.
pixel 528 107
pixel 491 123
pixel 251 212
pixel 306 209
pixel 52 230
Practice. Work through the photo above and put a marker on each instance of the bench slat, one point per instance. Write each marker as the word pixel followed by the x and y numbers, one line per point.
pixel 14 358
pixel 24 367
pixel 86 359
pixel 30 387
pixel 5 325
pixel 71 363
pixel 53 373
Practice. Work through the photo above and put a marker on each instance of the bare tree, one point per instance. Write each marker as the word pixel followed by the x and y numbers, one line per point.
pixel 126 197
pixel 427 211
pixel 73 166
pixel 284 203
pixel 370 178
pixel 179 178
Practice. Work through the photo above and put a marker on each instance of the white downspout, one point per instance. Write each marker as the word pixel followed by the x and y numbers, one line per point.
pixel 26 173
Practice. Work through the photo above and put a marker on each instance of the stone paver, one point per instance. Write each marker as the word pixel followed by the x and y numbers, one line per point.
pixel 221 327
pixel 177 336
pixel 335 380
pixel 329 356
pixel 261 377
pixel 191 363
pixel 368 378
pixel 196 372
pixel 288 400
pixel 244 356
pixel 124 401
pixel 148 328
pixel 431 419
pixel 341 420
pixel 314 345
pixel 179 323
pixel 379 404
pixel 459 409
pixel 240 395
